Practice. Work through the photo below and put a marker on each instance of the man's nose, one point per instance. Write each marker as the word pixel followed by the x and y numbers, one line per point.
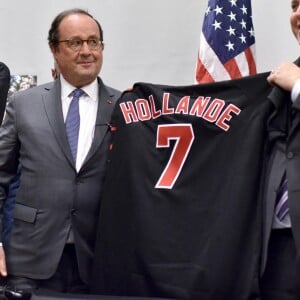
pixel 85 47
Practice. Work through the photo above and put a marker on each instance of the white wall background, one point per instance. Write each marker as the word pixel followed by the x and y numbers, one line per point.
pixel 146 40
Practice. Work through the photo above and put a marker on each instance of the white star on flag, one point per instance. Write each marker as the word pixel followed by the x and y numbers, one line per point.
pixel 227 41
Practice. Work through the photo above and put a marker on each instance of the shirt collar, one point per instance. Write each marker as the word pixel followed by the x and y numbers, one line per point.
pixel 91 89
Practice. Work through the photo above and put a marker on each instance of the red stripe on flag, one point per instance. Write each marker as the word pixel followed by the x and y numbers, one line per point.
pixel 202 75
pixel 251 61
pixel 233 69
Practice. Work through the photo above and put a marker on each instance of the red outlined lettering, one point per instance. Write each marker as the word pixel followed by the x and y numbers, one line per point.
pixel 128 112
pixel 183 134
pixel 183 105
pixel 226 116
pixel 166 110
pixel 213 111
pixel 143 109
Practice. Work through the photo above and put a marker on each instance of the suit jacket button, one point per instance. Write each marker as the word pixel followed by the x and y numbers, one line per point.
pixel 73 210
pixel 290 155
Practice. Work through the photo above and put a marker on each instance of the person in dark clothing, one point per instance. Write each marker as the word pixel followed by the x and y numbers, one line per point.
pixel 4 87
pixel 280 268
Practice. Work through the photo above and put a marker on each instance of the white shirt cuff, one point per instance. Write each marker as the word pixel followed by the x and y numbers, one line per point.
pixel 295 90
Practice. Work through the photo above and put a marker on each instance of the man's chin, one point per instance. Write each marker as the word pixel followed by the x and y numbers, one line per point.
pixel 86 78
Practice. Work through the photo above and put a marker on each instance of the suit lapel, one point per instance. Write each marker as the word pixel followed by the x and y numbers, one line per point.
pixel 53 108
pixel 277 163
pixel 296 118
pixel 105 108
pixel 278 122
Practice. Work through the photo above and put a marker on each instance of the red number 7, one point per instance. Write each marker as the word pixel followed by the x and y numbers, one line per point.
pixel 183 134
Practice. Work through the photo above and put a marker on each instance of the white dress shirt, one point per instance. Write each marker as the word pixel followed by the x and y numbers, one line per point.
pixel 88 106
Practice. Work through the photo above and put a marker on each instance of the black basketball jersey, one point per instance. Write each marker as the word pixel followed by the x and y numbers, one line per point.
pixel 180 215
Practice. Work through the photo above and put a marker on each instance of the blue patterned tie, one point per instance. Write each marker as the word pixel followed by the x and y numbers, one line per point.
pixel 73 122
pixel 282 208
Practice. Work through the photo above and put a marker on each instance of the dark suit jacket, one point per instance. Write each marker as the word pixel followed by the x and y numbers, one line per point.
pixel 52 196
pixel 283 154
pixel 7 219
pixel 4 87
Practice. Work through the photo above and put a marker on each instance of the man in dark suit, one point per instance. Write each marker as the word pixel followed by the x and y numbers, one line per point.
pixel 52 240
pixel 281 222
pixel 4 87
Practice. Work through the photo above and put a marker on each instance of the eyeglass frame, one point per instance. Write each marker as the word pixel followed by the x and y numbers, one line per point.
pixel 100 43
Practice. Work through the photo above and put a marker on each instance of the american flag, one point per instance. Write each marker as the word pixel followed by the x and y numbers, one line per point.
pixel 227 42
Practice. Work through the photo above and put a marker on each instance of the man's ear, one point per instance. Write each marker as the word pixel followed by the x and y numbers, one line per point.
pixel 53 49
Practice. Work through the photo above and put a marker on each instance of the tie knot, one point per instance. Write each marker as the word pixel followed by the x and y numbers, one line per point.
pixel 78 93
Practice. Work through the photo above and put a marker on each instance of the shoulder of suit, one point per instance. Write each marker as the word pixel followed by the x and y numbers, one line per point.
pixel 33 92
pixel 4 69
pixel 111 91
pixel 114 92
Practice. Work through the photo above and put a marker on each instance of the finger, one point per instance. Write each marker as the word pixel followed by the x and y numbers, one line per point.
pixel 270 79
pixel 3 271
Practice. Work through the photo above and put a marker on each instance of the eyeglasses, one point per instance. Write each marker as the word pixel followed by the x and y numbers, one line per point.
pixel 76 44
